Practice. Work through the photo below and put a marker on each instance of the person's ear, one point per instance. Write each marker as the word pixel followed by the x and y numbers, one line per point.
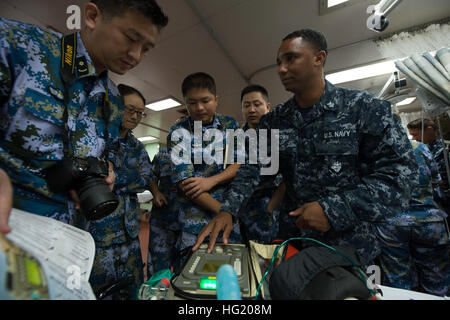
pixel 268 106
pixel 321 55
pixel 217 101
pixel 91 15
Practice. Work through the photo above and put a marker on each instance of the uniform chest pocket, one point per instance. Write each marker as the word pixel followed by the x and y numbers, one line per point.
pixel 44 107
pixel 337 158
pixel 37 127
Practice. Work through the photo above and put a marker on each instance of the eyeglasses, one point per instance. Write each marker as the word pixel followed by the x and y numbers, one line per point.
pixel 133 111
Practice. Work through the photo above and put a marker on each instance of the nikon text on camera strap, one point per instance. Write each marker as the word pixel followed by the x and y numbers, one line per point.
pixel 68 57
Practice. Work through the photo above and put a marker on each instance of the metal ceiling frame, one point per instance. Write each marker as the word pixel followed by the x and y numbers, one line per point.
pixel 203 20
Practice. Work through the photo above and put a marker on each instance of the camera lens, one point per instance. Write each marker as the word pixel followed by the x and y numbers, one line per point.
pixel 96 199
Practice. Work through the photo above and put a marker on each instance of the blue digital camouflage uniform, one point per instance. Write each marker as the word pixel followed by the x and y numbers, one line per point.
pixel 118 251
pixel 415 243
pixel 349 154
pixel 192 217
pixel 31 115
pixel 260 226
pixel 164 226
pixel 437 148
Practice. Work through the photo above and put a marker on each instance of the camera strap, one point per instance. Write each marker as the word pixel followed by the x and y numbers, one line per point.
pixel 68 57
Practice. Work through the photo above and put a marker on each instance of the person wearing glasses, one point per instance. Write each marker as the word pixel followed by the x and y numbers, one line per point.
pixel 55 110
pixel 118 253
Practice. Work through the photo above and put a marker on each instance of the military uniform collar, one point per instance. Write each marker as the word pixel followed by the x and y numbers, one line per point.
pixel 325 102
pixel 216 123
pixel 129 136
pixel 85 66
pixel 437 143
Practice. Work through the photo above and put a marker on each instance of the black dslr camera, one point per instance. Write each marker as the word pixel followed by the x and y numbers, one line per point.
pixel 87 178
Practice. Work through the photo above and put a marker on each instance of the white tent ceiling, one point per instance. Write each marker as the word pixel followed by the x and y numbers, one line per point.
pixel 236 42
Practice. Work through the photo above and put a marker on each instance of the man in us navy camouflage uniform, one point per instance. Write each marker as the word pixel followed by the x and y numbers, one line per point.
pixel 260 214
pixel 437 147
pixel 201 180
pixel 118 251
pixel 415 243
pixel 34 95
pixel 164 225
pixel 346 162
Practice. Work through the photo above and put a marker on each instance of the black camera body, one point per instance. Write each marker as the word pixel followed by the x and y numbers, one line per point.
pixel 87 177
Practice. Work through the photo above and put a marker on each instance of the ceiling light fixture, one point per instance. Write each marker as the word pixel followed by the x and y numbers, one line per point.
pixel 406 101
pixel 332 3
pixel 146 139
pixel 164 104
pixel 359 73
